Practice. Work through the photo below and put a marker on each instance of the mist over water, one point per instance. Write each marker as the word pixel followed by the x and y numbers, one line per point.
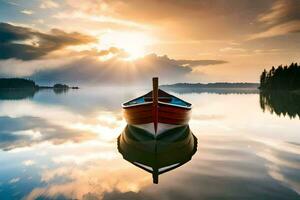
pixel 64 146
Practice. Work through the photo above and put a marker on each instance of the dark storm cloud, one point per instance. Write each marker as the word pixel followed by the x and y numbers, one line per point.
pixel 115 71
pixel 11 129
pixel 27 44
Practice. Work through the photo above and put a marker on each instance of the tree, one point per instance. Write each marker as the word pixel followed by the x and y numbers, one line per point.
pixel 263 77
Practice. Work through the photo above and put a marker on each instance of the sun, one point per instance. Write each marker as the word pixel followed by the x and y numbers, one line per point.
pixel 133 43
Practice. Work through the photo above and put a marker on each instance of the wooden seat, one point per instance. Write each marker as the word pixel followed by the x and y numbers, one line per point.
pixel 162 99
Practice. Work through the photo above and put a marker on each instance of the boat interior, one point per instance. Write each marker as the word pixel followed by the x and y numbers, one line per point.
pixel 162 97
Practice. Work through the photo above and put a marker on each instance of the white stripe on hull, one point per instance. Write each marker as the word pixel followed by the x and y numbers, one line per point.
pixel 161 127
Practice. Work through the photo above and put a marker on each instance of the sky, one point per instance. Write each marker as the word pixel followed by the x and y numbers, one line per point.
pixel 128 42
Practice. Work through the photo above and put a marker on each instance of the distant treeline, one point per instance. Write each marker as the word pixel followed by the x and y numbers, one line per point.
pixel 187 90
pixel 213 85
pixel 19 88
pixel 17 83
pixel 281 78
pixel 21 83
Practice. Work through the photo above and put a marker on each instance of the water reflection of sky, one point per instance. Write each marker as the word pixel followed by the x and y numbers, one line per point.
pixel 64 147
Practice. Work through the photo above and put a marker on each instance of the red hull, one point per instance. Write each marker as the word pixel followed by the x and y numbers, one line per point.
pixel 156 107
pixel 167 114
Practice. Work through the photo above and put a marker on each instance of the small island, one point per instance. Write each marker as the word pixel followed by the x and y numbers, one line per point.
pixel 63 86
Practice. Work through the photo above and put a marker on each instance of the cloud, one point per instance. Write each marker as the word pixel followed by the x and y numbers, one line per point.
pixel 12 3
pixel 49 4
pixel 118 177
pixel 109 66
pixel 281 11
pixel 113 51
pixel 278 30
pixel 114 71
pixel 26 131
pixel 283 18
pixel 27 12
pixel 89 6
pixel 28 44
pixel 127 195
pixel 232 49
pixel 93 70
pixel 19 68
pixel 268 51
pixel 28 162
pixel 185 18
pixel 194 63
pixel 14 180
pixel 100 21
pixel 188 18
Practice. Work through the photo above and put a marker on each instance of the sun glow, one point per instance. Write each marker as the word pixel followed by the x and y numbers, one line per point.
pixel 133 43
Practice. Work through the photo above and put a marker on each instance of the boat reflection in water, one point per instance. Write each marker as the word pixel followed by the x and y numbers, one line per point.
pixel 159 154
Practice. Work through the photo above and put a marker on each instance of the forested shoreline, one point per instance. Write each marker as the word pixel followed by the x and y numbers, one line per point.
pixel 17 83
pixel 282 78
pixel 21 83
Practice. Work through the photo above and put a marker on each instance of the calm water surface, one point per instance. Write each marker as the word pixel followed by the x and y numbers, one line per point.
pixel 64 146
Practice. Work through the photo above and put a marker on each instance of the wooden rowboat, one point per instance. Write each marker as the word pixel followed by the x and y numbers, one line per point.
pixel 157 107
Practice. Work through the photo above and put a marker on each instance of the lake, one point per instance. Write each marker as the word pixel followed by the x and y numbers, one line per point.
pixel 63 145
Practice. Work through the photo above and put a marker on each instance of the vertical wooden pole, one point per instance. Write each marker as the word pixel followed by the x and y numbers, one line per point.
pixel 155 102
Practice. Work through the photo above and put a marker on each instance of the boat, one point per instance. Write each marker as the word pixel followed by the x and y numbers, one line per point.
pixel 157 156
pixel 157 109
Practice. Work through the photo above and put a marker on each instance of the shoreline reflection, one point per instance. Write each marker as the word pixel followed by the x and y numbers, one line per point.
pixel 280 103
pixel 20 94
